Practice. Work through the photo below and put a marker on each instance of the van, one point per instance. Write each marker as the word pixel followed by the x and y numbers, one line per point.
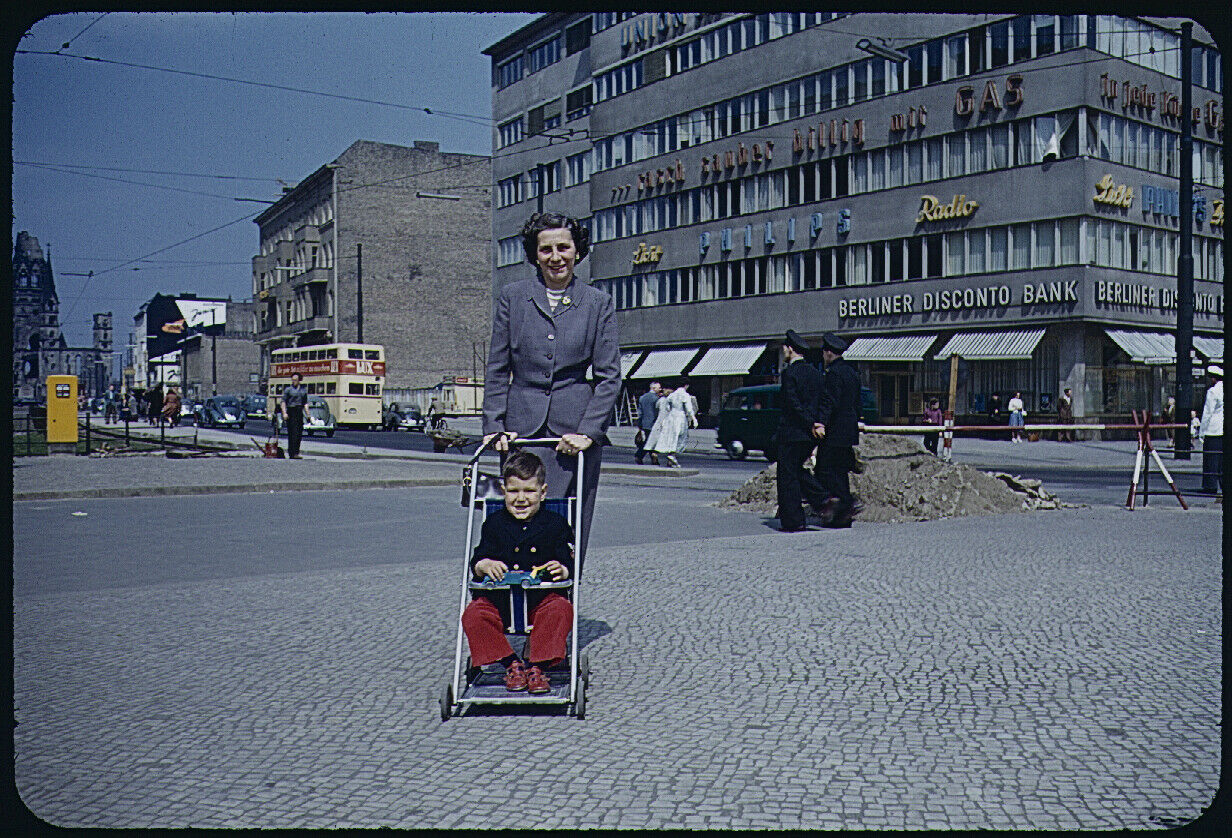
pixel 749 419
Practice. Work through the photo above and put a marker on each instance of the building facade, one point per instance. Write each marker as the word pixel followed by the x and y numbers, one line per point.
pixel 1004 189
pixel 222 360
pixel 39 346
pixel 387 244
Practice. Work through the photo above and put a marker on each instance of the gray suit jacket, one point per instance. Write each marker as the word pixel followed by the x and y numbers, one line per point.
pixel 536 372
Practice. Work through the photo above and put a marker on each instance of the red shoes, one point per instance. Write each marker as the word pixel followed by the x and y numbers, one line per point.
pixel 537 681
pixel 515 677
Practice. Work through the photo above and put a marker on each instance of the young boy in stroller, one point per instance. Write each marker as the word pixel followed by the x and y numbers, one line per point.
pixel 522 536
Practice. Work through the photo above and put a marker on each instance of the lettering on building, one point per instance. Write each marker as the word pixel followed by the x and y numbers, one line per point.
pixel 960 299
pixel 932 209
pixel 647 254
pixel 669 176
pixel 1113 194
pixel 912 118
pixel 1140 98
pixel 1217 212
pixel 652 29
pixel 990 99
pixel 1043 293
pixel 830 134
pixel 726 161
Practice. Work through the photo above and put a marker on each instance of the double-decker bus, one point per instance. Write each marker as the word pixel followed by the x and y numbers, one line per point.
pixel 349 376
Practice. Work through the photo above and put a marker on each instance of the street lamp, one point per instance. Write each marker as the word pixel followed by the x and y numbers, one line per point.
pixel 882 50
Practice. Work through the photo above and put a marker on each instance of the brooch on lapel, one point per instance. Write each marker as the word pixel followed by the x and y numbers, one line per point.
pixel 564 301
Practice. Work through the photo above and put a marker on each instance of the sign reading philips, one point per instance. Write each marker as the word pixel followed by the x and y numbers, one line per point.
pixel 1160 201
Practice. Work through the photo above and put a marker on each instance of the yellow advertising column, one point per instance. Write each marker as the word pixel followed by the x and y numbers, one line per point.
pixel 62 413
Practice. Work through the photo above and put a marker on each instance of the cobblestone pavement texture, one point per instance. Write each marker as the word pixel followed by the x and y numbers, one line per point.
pixel 1046 670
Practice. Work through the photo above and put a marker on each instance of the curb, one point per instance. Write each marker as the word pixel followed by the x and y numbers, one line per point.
pixel 159 491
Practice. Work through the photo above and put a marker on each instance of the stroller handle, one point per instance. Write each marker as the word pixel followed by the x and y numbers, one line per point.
pixel 541 440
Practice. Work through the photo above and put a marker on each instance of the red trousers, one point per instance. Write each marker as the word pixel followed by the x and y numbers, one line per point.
pixel 551 621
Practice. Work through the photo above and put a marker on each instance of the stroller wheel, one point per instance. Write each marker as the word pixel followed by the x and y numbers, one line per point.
pixel 447 703
pixel 584 667
pixel 579 701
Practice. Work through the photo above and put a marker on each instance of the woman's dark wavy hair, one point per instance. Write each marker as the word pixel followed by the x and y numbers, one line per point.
pixel 541 221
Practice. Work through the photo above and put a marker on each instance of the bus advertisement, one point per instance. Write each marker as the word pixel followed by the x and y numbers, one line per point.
pixel 349 376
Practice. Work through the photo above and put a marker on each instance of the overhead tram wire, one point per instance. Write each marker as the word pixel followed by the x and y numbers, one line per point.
pixel 146 171
pixel 133 182
pixel 472 118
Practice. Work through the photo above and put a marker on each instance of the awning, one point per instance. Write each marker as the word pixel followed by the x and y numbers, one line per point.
pixel 992 346
pixel 1145 347
pixel 664 362
pixel 906 348
pixel 1209 348
pixel 627 360
pixel 729 360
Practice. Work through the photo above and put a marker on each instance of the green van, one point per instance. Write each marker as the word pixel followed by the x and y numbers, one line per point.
pixel 749 419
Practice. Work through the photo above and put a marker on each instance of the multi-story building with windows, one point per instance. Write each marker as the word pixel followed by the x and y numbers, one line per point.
pixel 384 245
pixel 1004 189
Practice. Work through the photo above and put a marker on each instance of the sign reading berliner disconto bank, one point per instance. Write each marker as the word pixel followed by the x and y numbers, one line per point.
pixel 931 208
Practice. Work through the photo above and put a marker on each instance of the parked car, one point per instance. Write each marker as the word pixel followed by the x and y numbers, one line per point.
pixel 318 419
pixel 221 412
pixel 402 418
pixel 188 411
pixel 749 419
pixel 254 406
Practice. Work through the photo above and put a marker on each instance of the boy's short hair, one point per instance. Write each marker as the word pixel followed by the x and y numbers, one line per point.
pixel 525 466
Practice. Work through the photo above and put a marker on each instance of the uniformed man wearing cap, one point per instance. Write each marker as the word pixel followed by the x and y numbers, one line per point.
pixel 799 402
pixel 838 418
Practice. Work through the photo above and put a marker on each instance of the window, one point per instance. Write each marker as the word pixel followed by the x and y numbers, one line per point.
pixel 577 169
pixel 999 44
pixel 578 102
pixel 509 251
pixel 372 389
pixel 955 57
pixel 975 252
pixel 355 388
pixel 508 191
pixel 915 257
pixel 577 37
pixel 955 247
pixel 934 254
pixel 509 72
pixel 1045 34
pixel 896 260
pixel 997 244
pixel 956 153
pixel 509 133
pixel 935 159
pixel 545 54
pixel 1021 253
pixel 1044 245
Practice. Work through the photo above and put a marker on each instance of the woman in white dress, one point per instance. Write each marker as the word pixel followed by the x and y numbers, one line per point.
pixel 676 414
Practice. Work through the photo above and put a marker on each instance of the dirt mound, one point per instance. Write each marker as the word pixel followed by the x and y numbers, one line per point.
pixel 901 481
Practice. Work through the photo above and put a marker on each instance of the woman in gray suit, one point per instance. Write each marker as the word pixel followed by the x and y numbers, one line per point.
pixel 546 333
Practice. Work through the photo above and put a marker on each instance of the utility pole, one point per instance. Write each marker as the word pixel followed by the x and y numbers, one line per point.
pixel 1184 265
pixel 214 351
pixel 539 187
pixel 359 292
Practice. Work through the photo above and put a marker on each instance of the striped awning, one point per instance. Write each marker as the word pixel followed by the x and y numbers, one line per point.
pixel 1209 348
pixel 1013 345
pixel 729 360
pixel 905 348
pixel 627 360
pixel 1145 347
pixel 664 362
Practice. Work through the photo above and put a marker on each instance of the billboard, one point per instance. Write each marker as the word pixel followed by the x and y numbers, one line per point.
pixel 169 320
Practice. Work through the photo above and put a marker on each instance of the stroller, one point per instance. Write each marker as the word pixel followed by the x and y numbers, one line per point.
pixel 477 685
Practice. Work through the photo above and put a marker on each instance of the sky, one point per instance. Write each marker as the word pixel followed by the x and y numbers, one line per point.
pixel 138 170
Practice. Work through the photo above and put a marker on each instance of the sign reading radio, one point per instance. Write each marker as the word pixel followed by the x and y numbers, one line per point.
pixel 335 366
pixel 647 254
pixel 932 210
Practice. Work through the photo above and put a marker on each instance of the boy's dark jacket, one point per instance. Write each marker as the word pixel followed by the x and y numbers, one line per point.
pixel 524 545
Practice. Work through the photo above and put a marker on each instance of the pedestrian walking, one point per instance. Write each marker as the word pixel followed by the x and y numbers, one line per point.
pixel 111 405
pixel 1168 417
pixel 675 416
pixel 1065 415
pixel 294 400
pixel 996 412
pixel 546 331
pixel 132 408
pixel 171 407
pixel 933 416
pixel 839 431
pixel 691 410
pixel 154 403
pixel 1212 433
pixel 1018 416
pixel 647 412
pixel 796 436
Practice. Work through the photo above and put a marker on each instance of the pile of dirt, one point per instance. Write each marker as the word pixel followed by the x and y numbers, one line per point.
pixel 901 481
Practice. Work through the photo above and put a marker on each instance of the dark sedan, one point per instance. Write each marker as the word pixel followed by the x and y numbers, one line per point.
pixel 220 412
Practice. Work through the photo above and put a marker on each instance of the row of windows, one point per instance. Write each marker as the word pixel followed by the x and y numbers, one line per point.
pixel 544 54
pixel 740 35
pixel 509 133
pixel 606 20
pixel 1131 143
pixel 943 59
pixel 1019 143
pixel 524 186
pixel 1016 247
pixel 619 80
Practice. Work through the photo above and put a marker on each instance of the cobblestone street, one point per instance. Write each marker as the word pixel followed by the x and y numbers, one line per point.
pixel 1052 670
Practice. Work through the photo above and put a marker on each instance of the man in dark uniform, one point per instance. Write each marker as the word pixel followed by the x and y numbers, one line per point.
pixel 799 400
pixel 839 418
